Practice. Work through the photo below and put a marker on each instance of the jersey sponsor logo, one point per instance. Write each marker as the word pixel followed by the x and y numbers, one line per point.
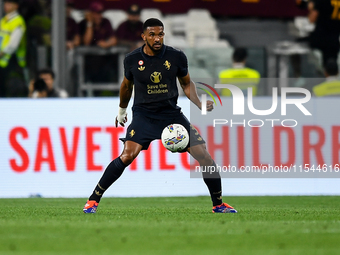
pixel 141 68
pixel 156 77
pixel 167 65
pixel 140 62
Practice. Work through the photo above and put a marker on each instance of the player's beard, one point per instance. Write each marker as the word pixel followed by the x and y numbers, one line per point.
pixel 153 49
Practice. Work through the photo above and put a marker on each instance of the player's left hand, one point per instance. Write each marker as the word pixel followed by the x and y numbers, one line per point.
pixel 210 105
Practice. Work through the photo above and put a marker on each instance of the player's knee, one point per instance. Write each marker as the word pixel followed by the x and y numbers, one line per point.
pixel 127 157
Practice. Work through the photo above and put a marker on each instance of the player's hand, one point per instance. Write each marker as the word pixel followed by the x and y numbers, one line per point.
pixel 122 117
pixel 210 105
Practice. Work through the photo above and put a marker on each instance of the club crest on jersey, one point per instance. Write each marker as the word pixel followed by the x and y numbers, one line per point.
pixel 132 133
pixel 167 65
pixel 156 77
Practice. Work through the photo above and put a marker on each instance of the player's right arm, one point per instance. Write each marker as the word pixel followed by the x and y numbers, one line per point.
pixel 125 93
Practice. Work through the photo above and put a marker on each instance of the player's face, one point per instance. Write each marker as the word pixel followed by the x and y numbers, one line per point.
pixel 153 37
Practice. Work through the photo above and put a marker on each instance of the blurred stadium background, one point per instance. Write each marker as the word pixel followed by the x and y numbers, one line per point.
pixel 48 145
pixel 54 150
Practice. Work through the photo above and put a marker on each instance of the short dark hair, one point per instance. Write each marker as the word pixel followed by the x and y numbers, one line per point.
pixel 152 22
pixel 46 71
pixel 331 67
pixel 240 55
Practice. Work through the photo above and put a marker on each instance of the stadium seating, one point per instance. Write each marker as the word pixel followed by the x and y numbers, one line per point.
pixel 115 16
pixel 151 13
pixel 303 26
pixel 199 24
pixel 77 15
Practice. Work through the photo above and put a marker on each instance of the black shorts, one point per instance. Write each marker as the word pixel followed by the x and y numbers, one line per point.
pixel 143 130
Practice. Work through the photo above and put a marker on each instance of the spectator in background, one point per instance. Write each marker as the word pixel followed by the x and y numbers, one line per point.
pixel 240 75
pixel 40 89
pixel 47 75
pixel 331 87
pixel 96 30
pixel 72 41
pixel 130 31
pixel 326 16
pixel 72 32
pixel 12 51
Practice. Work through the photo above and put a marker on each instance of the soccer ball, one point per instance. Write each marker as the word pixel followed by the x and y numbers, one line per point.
pixel 175 137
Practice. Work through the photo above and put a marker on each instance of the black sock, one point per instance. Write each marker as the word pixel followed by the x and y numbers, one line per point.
pixel 213 182
pixel 112 172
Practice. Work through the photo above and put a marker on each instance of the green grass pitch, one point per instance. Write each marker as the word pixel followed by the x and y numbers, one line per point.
pixel 180 225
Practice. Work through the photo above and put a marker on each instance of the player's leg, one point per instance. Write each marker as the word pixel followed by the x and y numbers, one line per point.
pixel 112 172
pixel 211 178
pixel 198 150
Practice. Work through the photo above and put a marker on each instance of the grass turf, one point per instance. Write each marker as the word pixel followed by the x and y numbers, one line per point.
pixel 180 225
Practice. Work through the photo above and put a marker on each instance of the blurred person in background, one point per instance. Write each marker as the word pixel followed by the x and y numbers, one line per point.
pixel 331 87
pixel 39 27
pixel 129 32
pixel 12 51
pixel 40 89
pixel 326 16
pixel 239 74
pixel 48 76
pixel 72 41
pixel 72 31
pixel 95 30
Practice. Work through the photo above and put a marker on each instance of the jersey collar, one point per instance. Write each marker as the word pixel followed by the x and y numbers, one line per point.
pixel 159 55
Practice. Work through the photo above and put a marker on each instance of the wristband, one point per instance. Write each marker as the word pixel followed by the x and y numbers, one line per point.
pixel 121 111
pixel 121 115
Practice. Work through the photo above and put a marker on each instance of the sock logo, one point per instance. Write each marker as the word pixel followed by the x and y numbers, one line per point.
pixel 98 193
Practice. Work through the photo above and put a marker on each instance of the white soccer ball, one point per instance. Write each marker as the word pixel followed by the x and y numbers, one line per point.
pixel 175 137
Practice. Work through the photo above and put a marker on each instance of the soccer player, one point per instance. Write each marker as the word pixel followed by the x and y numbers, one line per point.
pixel 153 69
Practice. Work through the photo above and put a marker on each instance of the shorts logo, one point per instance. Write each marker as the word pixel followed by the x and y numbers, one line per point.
pixel 132 133
pixel 167 65
pixel 156 77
